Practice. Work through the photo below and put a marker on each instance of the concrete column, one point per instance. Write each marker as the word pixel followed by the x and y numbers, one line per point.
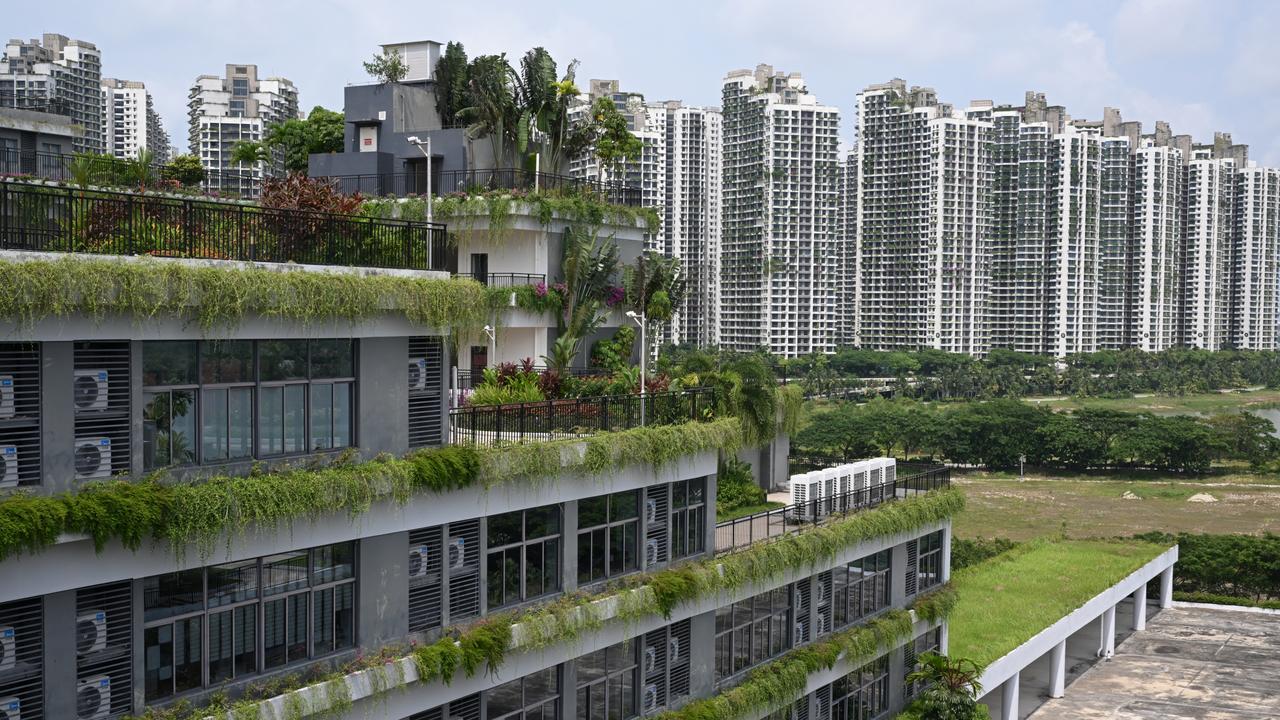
pixel 944 637
pixel 136 466
pixel 702 655
pixel 1140 608
pixel 1058 670
pixel 382 384
pixel 57 429
pixel 60 654
pixel 1009 699
pixel 897 685
pixel 1109 632
pixel 382 603
pixel 569 543
pixel 898 575
pixel 1166 588
pixel 946 553
pixel 709 497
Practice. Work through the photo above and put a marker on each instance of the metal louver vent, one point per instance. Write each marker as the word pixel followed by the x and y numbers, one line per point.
pixel 22 658
pixel 100 392
pixel 913 557
pixel 823 603
pixel 426 411
pixel 461 559
pixel 104 651
pixel 467 708
pixel 19 414
pixel 678 654
pixel 426 551
pixel 657 505
pixel 653 663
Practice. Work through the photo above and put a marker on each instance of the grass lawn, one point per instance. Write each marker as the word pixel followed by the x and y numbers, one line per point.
pixel 1207 403
pixel 999 506
pixel 1006 600
pixel 745 511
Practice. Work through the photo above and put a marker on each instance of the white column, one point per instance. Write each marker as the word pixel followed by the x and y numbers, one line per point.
pixel 1109 632
pixel 1058 670
pixel 1140 608
pixel 1009 699
pixel 944 639
pixel 1166 588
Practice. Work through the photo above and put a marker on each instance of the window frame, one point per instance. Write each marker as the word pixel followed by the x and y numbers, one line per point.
pixel 586 539
pixel 521 546
pixel 929 562
pixel 612 679
pixel 525 706
pixel 687 522
pixel 741 634
pixel 849 609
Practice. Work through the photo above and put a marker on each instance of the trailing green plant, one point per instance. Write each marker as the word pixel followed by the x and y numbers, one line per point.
pixel 216 297
pixel 462 210
pixel 937 604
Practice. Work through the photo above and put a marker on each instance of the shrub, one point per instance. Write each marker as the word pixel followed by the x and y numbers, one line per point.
pixel 971 552
pixel 736 487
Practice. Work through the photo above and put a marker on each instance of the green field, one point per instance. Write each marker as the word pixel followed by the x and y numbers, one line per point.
pixel 1206 403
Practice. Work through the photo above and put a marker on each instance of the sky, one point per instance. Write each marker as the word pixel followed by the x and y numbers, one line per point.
pixel 1200 65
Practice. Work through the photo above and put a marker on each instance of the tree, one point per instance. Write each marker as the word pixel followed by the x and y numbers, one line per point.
pixel 249 152
pixel 490 103
pixel 451 82
pixel 388 67
pixel 187 170
pixel 1245 436
pixel 605 137
pixel 320 132
pixel 951 689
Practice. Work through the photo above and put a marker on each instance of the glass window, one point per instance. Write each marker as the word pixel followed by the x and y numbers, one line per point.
pixel 688 518
pixel 861 588
pixel 332 359
pixel 284 572
pixel 929 563
pixel 751 631
pixel 172 662
pixel 282 414
pixel 226 361
pixel 172 594
pixel 609 536
pixel 169 362
pixel 233 583
pixel 330 415
pixel 282 360
pixel 168 428
pixel 533 697
pixel 524 555
pixel 607 681
pixel 333 562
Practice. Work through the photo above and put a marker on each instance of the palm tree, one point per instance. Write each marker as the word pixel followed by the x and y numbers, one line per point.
pixel 491 108
pixel 951 688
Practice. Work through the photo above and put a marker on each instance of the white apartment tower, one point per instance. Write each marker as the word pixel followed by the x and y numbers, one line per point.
pixel 130 122
pixel 1156 243
pixel 691 217
pixel 1208 230
pixel 1256 247
pixel 924 221
pixel 780 262
pixel 223 111
pixel 58 75
pixel 849 286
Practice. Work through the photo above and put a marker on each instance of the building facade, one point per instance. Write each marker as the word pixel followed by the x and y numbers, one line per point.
pixel 130 121
pixel 691 214
pixel 1255 256
pixel 57 75
pixel 239 107
pixel 780 261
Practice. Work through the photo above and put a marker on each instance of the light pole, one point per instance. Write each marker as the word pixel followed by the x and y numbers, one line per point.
pixel 493 345
pixel 644 351
pixel 417 142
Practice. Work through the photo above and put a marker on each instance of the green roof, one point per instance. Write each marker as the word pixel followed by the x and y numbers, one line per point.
pixel 1005 601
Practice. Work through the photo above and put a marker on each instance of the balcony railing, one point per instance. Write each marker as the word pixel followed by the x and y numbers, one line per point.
pixel 469 378
pixel 575 417
pixel 65 219
pixel 112 171
pixel 501 280
pixel 743 531
pixel 449 181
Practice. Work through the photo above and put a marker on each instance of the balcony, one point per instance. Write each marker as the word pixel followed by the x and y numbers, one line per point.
pixel 502 280
pixel 46 218
pixel 470 181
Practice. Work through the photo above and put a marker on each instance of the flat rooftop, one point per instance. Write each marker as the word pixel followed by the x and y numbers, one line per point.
pixel 1192 662
pixel 1009 599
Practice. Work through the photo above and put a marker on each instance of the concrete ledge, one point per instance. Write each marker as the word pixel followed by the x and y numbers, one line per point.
pixel 1228 608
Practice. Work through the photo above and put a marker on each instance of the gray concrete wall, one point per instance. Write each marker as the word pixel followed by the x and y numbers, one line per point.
pixel 382 587
pixel 382 387
pixel 58 434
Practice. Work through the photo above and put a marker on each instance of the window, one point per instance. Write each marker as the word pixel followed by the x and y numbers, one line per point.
pixel 929 642
pixel 688 518
pixel 607 683
pixel 203 626
pixel 752 631
pixel 862 694
pixel 533 697
pixel 304 392
pixel 523 561
pixel 861 587
pixel 929 566
pixel 608 539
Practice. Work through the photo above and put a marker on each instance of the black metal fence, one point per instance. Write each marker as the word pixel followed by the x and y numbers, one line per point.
pixel 506 279
pixel 575 417
pixel 109 171
pixel 449 181
pixel 469 378
pixel 65 219
pixel 743 531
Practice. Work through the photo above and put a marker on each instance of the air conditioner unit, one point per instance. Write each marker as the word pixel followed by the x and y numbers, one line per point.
pixel 805 490
pixel 91 632
pixel 417 374
pixel 457 553
pixel 419 558
pixel 673 655
pixel 93 458
pixel 8 465
pixel 8 648
pixel 650 698
pixel 6 397
pixel 93 698
pixel 90 389
pixel 650 659
pixel 10 709
pixel 651 511
pixel 801 633
pixel 824 624
pixel 650 553
pixel 824 592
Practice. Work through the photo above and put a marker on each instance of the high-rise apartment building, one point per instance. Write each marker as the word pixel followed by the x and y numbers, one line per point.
pixel 849 286
pixel 924 214
pixel 1156 242
pixel 691 214
pixel 130 123
pixel 224 111
pixel 1208 229
pixel 56 75
pixel 780 255
pixel 1256 256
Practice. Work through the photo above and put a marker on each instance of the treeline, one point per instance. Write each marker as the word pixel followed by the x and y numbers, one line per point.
pixel 938 375
pixel 1000 433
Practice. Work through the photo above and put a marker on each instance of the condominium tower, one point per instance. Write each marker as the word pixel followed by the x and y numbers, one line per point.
pixel 130 123
pixel 780 251
pixel 56 75
pixel 691 215
pixel 224 111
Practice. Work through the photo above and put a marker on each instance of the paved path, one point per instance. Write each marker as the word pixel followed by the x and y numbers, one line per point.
pixel 1191 663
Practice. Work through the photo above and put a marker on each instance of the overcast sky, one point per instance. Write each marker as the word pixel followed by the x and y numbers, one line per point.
pixel 1200 65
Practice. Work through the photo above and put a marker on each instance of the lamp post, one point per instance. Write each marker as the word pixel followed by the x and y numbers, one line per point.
pixel 493 345
pixel 417 142
pixel 644 352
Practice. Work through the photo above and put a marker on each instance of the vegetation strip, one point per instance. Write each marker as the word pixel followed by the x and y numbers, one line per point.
pixel 201 512
pixel 499 208
pixel 1008 599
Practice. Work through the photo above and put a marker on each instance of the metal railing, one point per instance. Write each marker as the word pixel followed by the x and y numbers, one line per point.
pixel 743 531
pixel 575 417
pixel 107 170
pixel 493 279
pixel 65 219
pixel 468 378
pixel 400 184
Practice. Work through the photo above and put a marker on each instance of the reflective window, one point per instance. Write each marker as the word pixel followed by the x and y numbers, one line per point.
pixel 607 681
pixel 751 631
pixel 608 536
pixel 523 561
pixel 861 588
pixel 533 697
pixel 688 518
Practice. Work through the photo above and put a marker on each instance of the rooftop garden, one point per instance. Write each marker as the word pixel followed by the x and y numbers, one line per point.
pixel 1010 598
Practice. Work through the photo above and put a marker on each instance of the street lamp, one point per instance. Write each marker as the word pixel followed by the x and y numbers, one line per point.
pixel 493 345
pixel 644 351
pixel 417 142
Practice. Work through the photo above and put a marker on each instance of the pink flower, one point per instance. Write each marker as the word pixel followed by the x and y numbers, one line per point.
pixel 614 296
pixel 560 287
pixel 540 289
